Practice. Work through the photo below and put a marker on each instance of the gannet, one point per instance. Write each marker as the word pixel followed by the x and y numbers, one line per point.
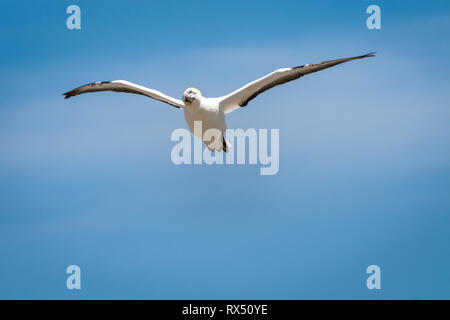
pixel 211 111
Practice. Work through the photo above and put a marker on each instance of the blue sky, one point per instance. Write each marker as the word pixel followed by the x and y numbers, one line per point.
pixel 364 160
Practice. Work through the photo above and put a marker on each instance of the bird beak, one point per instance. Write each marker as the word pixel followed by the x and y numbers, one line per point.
pixel 188 100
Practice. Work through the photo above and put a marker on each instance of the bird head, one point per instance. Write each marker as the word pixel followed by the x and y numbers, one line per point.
pixel 191 95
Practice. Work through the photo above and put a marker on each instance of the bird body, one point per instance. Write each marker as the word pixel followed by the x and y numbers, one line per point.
pixel 210 112
pixel 206 111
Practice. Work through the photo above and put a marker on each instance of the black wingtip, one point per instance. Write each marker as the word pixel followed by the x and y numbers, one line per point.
pixel 369 55
pixel 67 94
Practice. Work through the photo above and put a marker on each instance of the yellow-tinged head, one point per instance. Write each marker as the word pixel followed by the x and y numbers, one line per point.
pixel 191 95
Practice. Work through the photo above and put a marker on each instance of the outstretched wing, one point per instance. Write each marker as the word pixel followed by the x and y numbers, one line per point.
pixel 124 86
pixel 242 96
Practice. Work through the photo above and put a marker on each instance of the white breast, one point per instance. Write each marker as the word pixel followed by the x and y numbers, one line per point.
pixel 208 112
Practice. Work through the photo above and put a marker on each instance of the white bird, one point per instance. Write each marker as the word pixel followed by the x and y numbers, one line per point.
pixel 211 111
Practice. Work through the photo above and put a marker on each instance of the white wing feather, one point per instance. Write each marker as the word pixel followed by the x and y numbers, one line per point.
pixel 243 95
pixel 124 86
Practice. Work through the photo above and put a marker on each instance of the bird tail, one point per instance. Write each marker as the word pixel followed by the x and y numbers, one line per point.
pixel 217 147
pixel 225 144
